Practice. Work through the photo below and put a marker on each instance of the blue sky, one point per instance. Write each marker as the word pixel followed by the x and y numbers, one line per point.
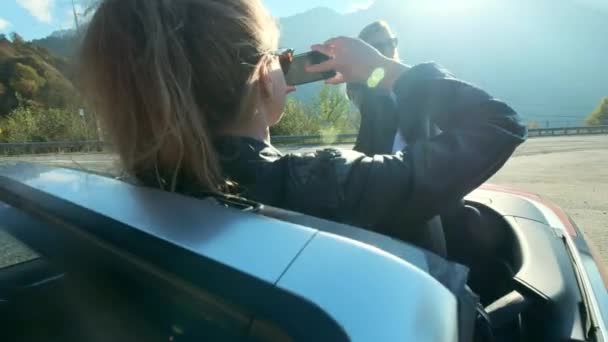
pixel 35 18
pixel 38 18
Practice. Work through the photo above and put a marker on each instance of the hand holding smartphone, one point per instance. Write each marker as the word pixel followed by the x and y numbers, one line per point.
pixel 297 73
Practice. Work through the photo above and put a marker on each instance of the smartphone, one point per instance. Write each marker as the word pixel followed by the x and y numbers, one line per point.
pixel 297 73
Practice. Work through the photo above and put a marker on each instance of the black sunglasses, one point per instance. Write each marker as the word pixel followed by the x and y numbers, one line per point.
pixel 285 59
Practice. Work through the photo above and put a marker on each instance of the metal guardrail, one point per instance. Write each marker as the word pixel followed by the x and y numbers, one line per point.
pixel 583 130
pixel 314 139
pixel 99 146
pixel 350 138
pixel 52 147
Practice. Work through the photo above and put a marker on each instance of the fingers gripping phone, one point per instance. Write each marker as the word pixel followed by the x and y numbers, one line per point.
pixel 297 73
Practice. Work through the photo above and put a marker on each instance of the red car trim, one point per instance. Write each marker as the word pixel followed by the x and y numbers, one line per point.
pixel 559 212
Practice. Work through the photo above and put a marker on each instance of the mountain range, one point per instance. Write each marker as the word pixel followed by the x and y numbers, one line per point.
pixel 548 59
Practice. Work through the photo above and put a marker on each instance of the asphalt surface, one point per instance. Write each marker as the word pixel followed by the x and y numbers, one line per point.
pixel 570 171
pixel 573 173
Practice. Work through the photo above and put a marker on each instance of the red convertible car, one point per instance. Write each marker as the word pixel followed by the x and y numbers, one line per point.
pixel 115 262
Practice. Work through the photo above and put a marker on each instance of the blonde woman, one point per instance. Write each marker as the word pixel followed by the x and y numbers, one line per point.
pixel 189 88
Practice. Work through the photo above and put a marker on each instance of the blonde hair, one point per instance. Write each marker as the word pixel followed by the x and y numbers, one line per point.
pixel 166 75
pixel 354 92
pixel 374 28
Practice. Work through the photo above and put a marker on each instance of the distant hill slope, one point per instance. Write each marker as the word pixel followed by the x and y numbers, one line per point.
pixel 61 43
pixel 31 74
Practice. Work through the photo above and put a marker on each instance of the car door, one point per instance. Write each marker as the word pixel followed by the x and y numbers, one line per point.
pixel 133 263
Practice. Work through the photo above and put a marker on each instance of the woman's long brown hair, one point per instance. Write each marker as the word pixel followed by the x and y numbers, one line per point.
pixel 165 75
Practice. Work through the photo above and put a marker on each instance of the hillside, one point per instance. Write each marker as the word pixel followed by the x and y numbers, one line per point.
pixel 61 43
pixel 32 75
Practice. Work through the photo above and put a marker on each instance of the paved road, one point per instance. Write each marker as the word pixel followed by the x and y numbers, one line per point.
pixel 570 171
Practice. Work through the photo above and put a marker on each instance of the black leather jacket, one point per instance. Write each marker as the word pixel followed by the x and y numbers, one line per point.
pixel 379 121
pixel 393 194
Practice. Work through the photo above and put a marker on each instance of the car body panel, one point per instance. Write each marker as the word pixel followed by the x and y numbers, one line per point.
pixel 592 286
pixel 260 269
pixel 310 282
pixel 591 272
pixel 596 283
pixel 215 235
pixel 324 273
pixel 549 212
pixel 536 244
pixel 547 271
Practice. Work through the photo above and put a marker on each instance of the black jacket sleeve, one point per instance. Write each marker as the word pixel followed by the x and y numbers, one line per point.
pixel 388 192
pixel 379 122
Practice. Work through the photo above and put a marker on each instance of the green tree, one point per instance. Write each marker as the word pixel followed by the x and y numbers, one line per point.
pixel 297 120
pixel 328 115
pixel 31 124
pixel 600 115
pixel 26 80
pixel 333 108
pixel 336 116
